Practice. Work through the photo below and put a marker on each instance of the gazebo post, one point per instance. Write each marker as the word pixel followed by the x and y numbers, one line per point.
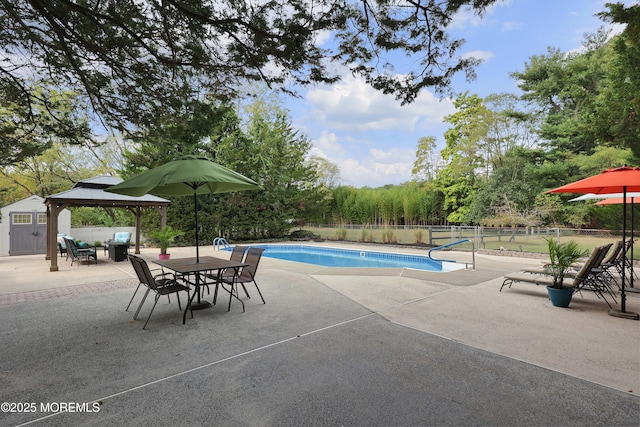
pixel 48 242
pixel 52 231
pixel 138 222
pixel 163 216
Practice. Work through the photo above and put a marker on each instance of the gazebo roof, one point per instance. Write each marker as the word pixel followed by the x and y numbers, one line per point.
pixel 91 193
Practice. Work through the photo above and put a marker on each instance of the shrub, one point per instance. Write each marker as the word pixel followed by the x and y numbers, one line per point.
pixel 388 236
pixel 303 235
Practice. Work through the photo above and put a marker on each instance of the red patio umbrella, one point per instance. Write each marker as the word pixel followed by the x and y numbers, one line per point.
pixel 618 201
pixel 618 180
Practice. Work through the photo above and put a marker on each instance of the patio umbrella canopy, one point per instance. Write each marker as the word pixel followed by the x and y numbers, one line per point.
pixel 618 180
pixel 591 196
pixel 616 201
pixel 187 176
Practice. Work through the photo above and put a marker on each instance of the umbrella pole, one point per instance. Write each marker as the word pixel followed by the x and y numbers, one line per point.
pixel 623 298
pixel 631 288
pixel 200 304
pixel 195 209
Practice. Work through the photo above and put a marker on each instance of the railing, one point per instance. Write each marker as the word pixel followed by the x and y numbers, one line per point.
pixel 220 241
pixel 466 264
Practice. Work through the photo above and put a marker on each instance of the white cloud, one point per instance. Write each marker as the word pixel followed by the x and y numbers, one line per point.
pixel 376 168
pixel 354 106
pixel 369 135
pixel 328 145
pixel 323 37
pixel 511 26
pixel 467 18
pixel 484 55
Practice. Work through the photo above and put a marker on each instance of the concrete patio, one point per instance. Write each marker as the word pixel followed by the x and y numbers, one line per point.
pixel 330 347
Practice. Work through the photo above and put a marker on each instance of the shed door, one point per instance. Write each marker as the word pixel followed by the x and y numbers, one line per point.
pixel 27 233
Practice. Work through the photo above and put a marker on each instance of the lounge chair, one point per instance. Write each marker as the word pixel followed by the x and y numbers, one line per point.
pixel 583 279
pixel 165 286
pixel 620 261
pixel 78 254
pixel 574 268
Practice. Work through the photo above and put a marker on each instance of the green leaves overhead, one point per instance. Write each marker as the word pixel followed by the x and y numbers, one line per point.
pixel 132 59
pixel 33 118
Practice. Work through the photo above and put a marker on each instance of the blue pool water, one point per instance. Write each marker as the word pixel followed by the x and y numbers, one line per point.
pixel 335 257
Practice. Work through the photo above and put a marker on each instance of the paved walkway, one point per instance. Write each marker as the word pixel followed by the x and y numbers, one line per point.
pixel 331 346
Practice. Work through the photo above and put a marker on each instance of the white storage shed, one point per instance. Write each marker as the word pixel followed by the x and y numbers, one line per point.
pixel 23 228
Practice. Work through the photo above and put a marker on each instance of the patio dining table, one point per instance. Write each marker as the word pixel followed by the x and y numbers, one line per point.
pixel 191 266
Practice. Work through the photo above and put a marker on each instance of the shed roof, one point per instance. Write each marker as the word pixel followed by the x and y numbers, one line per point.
pixel 22 202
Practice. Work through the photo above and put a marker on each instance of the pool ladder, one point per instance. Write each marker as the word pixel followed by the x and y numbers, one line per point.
pixel 220 241
pixel 466 264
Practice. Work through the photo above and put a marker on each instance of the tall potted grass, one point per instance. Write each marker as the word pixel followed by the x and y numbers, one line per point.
pixel 562 256
pixel 164 238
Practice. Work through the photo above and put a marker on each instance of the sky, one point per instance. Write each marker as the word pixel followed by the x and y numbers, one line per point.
pixel 373 139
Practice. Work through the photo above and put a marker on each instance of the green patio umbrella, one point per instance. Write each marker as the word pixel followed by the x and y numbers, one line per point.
pixel 187 176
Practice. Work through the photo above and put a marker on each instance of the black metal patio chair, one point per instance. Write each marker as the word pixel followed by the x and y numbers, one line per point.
pixel 245 275
pixel 160 287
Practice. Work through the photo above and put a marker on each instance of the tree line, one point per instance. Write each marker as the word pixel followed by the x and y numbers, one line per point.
pixel 577 116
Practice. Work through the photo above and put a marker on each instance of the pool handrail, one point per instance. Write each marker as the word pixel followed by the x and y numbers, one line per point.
pixel 473 252
pixel 220 241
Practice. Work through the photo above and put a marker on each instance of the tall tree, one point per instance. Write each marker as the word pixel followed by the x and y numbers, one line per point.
pixel 457 180
pixel 619 103
pixel 510 127
pixel 328 173
pixel 277 163
pixel 426 164
pixel 565 86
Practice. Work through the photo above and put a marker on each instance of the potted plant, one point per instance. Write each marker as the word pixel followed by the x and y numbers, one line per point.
pixel 164 238
pixel 562 256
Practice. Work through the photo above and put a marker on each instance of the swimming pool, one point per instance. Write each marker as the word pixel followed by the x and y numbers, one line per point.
pixel 338 257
